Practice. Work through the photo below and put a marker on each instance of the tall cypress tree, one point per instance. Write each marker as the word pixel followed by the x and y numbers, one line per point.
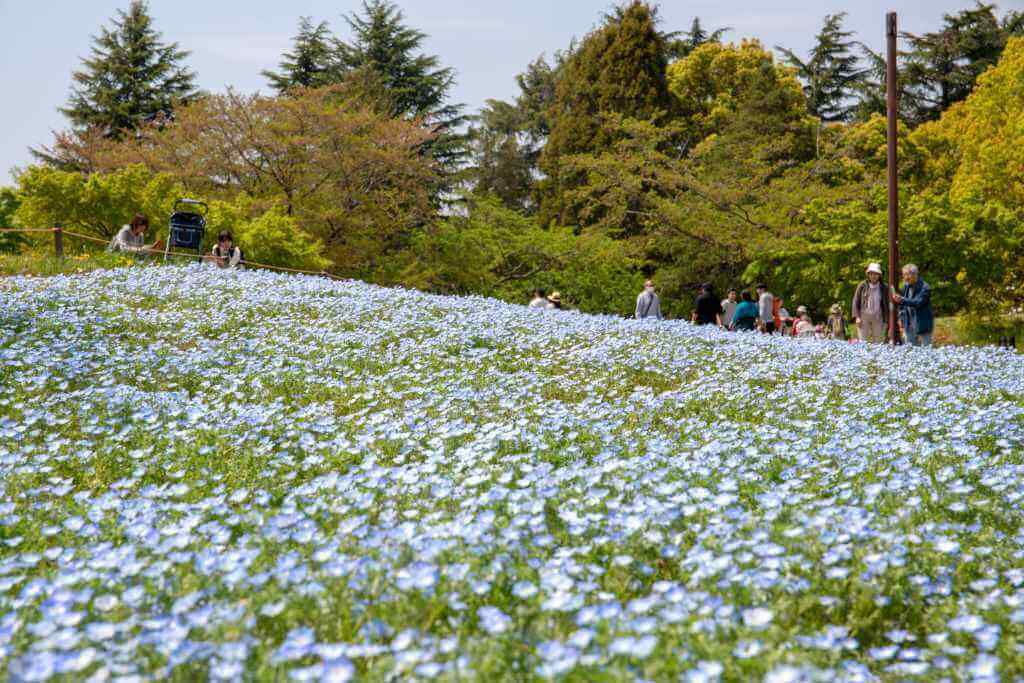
pixel 618 70
pixel 416 83
pixel 831 75
pixel 130 77
pixel 312 62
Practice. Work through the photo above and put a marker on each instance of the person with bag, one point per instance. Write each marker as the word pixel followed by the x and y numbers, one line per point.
pixel 226 254
pixel 871 306
pixel 648 305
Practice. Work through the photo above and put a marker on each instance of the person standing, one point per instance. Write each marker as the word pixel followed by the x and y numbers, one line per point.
pixel 538 300
pixel 707 307
pixel 729 305
pixel 835 328
pixel 871 306
pixel 648 305
pixel 915 302
pixel 766 309
pixel 746 316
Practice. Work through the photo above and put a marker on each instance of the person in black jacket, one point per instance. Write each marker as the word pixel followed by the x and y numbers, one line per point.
pixel 707 307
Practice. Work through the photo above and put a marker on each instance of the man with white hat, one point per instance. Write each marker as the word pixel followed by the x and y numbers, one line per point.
pixel 871 304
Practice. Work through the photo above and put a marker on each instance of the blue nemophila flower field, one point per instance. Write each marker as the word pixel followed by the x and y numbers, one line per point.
pixel 247 476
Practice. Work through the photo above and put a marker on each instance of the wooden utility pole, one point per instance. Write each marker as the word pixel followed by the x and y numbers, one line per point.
pixel 893 105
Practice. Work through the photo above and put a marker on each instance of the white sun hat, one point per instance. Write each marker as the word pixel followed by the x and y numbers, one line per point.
pixel 875 268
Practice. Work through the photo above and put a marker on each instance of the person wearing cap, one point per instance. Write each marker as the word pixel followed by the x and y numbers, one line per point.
pixel 554 301
pixel 766 308
pixel 915 302
pixel 804 325
pixel 648 305
pixel 707 307
pixel 871 306
pixel 835 328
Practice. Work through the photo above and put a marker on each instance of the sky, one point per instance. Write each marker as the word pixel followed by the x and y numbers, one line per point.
pixel 487 43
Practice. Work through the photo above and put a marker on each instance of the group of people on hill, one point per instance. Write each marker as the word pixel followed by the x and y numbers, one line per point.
pixel 766 312
pixel 763 311
pixel 131 239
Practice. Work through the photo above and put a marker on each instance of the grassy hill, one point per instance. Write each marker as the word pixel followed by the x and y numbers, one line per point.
pixel 247 475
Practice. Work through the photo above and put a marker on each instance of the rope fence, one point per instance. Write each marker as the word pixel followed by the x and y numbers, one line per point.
pixel 58 241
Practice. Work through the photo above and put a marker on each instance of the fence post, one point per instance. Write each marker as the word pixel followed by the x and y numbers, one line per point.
pixel 58 241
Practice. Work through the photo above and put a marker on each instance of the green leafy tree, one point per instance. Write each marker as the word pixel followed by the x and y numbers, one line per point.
pixel 618 69
pixel 130 77
pixel 389 51
pixel 312 61
pixel 10 242
pixel 831 74
pixel 942 67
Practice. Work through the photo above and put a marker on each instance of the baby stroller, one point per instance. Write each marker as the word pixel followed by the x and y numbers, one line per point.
pixel 188 226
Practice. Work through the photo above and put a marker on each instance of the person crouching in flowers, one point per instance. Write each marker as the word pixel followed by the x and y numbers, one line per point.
pixel 226 254
pixel 554 301
pixel 538 300
pixel 132 237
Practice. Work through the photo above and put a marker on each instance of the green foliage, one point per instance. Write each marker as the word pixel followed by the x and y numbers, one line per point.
pixel 943 66
pixel 416 84
pixel 10 242
pixel 501 253
pixel 619 69
pixel 831 74
pixel 694 38
pixel 312 62
pixel 131 76
pixel 276 239
pixel 96 204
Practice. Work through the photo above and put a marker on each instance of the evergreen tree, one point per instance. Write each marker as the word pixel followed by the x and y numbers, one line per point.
pixel 871 93
pixel 508 137
pixel 312 62
pixel 830 75
pixel 130 77
pixel 695 37
pixel 942 67
pixel 383 46
pixel 618 72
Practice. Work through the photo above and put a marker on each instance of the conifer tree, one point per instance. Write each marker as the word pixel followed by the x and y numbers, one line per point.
pixel 831 75
pixel 130 77
pixel 695 37
pixel 311 63
pixel 942 67
pixel 618 72
pixel 390 52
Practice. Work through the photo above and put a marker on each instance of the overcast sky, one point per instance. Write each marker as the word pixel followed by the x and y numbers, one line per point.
pixel 487 43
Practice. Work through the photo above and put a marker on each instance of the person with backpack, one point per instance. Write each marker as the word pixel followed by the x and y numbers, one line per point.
pixel 746 315
pixel 648 305
pixel 835 328
pixel 871 306
pixel 915 302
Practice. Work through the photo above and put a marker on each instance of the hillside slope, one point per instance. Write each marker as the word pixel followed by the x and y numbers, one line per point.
pixel 246 474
